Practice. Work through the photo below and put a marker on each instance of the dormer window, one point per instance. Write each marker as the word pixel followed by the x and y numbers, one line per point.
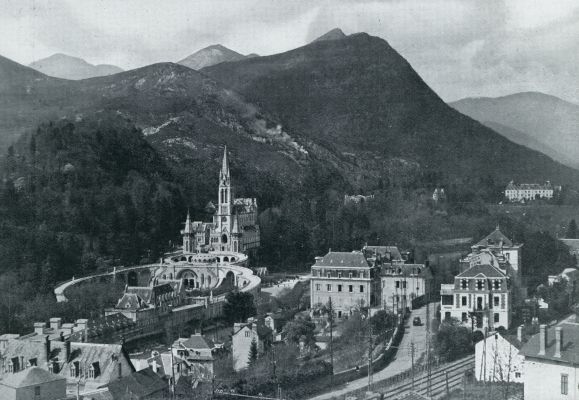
pixel 479 284
pixel 94 370
pixel 463 283
pixel 75 369
pixel 497 284
pixel 32 362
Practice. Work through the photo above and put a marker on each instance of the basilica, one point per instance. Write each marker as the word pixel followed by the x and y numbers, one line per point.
pixel 234 227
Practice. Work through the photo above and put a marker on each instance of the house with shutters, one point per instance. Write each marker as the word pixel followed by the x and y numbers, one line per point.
pixel 479 298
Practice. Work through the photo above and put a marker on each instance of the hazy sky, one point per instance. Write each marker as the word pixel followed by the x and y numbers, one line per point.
pixel 460 47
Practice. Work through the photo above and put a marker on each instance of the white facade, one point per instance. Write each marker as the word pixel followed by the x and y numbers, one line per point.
pixel 402 283
pixel 498 360
pixel 479 298
pixel 545 380
pixel 529 191
pixel 347 279
pixel 243 335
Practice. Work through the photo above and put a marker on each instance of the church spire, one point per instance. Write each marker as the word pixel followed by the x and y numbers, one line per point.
pixel 225 166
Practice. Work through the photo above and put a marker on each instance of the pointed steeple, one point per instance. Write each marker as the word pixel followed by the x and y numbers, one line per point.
pixel 188 223
pixel 224 174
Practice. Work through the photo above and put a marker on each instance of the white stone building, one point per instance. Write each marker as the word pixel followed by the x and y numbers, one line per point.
pixel 529 191
pixel 348 279
pixel 244 334
pixel 480 298
pixel 551 366
pixel 402 283
pixel 497 358
pixel 234 227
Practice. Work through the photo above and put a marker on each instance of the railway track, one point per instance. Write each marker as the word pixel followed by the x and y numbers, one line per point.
pixel 441 376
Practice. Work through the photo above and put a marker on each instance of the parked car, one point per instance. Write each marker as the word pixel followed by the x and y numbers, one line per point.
pixel 416 321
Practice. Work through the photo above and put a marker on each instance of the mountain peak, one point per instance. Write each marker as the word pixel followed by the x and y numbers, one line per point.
pixel 61 65
pixel 211 55
pixel 334 34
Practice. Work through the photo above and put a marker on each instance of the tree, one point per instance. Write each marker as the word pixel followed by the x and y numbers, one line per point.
pixel 253 352
pixel 300 329
pixel 572 230
pixel 238 307
pixel 452 341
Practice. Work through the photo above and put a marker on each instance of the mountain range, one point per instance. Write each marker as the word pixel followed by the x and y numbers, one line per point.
pixel 212 55
pixel 352 104
pixel 536 120
pixel 67 67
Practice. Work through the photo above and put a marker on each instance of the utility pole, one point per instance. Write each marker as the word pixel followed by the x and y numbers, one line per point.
pixel 370 344
pixel 331 320
pixel 412 349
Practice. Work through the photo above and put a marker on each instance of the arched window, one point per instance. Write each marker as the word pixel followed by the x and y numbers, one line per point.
pixel 224 238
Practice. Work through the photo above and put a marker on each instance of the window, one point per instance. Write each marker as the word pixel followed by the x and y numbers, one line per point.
pixel 447 315
pixel 463 284
pixel 496 301
pixel 247 333
pixel 339 274
pixel 497 317
pixel 350 275
pixel 339 314
pixel 361 288
pixel 350 288
pixel 318 286
pixel 339 288
pixel 397 284
pixel 480 284
pixel 329 287
pixel 463 301
pixel 497 284
pixel 517 374
pixel 75 369
pixel 564 384
pixel 329 275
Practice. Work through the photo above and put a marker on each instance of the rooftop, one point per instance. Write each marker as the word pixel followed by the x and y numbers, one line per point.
pixel 496 238
pixel 483 271
pixel 569 346
pixel 29 377
pixel 343 259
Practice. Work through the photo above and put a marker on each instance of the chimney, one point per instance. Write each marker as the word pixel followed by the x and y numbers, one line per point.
pixel 520 333
pixel 55 323
pixel 39 328
pixel 61 336
pixel 81 324
pixel 67 348
pixel 542 339
pixel 558 340
pixel 47 348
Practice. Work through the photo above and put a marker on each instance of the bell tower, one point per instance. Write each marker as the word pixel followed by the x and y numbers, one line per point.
pixel 224 211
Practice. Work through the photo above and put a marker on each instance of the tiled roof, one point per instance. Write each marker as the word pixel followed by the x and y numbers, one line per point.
pixel 343 259
pixel 98 326
pixel 495 238
pixel 385 250
pixel 29 377
pixel 193 342
pixel 485 270
pixel 131 301
pixel 529 186
pixel 139 384
pixel 569 347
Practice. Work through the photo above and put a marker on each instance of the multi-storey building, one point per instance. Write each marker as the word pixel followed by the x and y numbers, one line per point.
pixel 551 366
pixel 529 191
pixel 402 283
pixel 348 279
pixel 480 297
pixel 244 334
pixel 234 226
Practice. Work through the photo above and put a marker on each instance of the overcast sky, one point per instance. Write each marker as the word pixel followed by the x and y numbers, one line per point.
pixel 460 47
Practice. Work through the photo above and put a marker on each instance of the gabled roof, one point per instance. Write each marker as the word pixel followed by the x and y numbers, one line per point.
pixel 482 271
pixel 193 342
pixel 139 384
pixel 131 301
pixel 496 238
pixel 29 377
pixel 343 259
pixel 569 347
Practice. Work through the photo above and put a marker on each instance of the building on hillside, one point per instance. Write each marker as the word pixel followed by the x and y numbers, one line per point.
pixel 551 366
pixel 196 352
pixel 348 279
pixel 32 383
pixel 403 283
pixel 439 194
pixel 573 245
pixel 234 227
pixel 357 198
pixel 497 358
pixel 244 334
pixel 85 366
pixel 529 191
pixel 480 298
pixel 569 275
pixel 386 254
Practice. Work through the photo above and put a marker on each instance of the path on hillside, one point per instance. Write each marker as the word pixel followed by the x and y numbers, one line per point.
pixel 402 361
